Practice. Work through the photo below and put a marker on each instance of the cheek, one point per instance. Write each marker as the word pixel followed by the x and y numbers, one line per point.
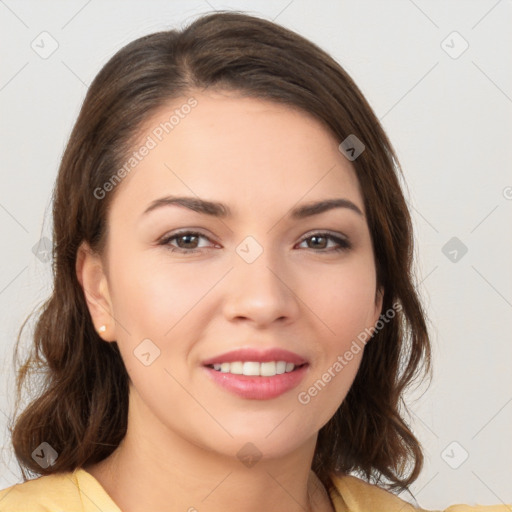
pixel 151 295
pixel 344 302
pixel 344 299
pixel 152 301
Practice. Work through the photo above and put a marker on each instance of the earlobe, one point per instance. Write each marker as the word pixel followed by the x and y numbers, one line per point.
pixel 93 280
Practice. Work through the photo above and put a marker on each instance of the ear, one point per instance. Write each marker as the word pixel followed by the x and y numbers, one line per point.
pixel 91 275
pixel 379 299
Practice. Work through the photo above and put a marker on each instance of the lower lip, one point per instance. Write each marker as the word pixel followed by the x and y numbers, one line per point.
pixel 258 388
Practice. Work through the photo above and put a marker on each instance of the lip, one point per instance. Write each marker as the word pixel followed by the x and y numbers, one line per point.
pixel 260 356
pixel 258 388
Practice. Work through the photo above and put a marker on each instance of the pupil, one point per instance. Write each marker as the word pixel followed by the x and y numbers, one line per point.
pixel 185 237
pixel 317 238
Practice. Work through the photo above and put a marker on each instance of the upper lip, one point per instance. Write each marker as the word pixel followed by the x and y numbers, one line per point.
pixel 257 355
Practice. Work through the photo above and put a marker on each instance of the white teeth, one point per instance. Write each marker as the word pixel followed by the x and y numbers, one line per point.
pixel 251 368
pixel 268 369
pixel 254 368
pixel 236 368
pixel 280 367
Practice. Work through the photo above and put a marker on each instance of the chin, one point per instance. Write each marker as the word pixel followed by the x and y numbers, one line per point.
pixel 257 443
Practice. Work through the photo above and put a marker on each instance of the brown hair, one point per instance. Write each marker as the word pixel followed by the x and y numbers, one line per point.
pixel 82 407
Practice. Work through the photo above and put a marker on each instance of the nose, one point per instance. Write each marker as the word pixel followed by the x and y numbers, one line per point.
pixel 260 292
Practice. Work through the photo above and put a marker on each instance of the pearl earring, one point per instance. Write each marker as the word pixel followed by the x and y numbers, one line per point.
pixel 103 328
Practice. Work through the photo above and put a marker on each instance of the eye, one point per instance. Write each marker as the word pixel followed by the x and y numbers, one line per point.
pixel 321 239
pixel 187 241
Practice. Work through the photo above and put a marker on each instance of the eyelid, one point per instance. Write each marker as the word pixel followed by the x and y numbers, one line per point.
pixel 164 240
pixel 342 240
pixel 334 234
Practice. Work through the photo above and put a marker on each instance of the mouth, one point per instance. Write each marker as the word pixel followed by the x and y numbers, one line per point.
pixel 256 374
pixel 256 368
pixel 253 380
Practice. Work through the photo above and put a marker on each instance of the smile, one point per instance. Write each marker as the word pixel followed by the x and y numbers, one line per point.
pixel 257 386
pixel 255 368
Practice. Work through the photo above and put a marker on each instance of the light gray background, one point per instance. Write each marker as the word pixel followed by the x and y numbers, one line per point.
pixel 449 118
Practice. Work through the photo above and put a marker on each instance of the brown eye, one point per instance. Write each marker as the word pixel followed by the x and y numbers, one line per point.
pixel 186 241
pixel 319 241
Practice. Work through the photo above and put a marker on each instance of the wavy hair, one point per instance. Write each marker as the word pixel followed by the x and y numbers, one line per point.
pixel 81 407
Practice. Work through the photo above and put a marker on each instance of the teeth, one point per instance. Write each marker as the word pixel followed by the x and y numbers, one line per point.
pixel 268 369
pixel 250 368
pixel 280 367
pixel 236 368
pixel 253 368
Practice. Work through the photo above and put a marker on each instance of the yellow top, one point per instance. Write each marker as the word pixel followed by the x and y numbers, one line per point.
pixel 79 491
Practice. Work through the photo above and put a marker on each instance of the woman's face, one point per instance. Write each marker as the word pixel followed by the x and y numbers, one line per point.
pixel 256 277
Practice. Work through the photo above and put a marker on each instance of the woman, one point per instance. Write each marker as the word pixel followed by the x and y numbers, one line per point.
pixel 234 318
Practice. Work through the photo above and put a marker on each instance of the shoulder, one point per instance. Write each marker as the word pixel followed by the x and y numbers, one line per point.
pixel 46 493
pixel 356 495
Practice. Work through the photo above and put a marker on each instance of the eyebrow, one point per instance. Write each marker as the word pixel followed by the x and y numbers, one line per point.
pixel 221 210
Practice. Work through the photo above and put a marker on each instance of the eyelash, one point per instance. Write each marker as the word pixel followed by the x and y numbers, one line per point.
pixel 345 245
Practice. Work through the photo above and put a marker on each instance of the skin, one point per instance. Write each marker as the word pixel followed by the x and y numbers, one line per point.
pixel 184 431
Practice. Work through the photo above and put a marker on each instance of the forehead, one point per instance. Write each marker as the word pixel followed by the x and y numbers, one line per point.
pixel 240 150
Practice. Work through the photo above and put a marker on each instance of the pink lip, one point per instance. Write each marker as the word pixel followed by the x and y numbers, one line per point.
pixel 258 388
pixel 262 356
